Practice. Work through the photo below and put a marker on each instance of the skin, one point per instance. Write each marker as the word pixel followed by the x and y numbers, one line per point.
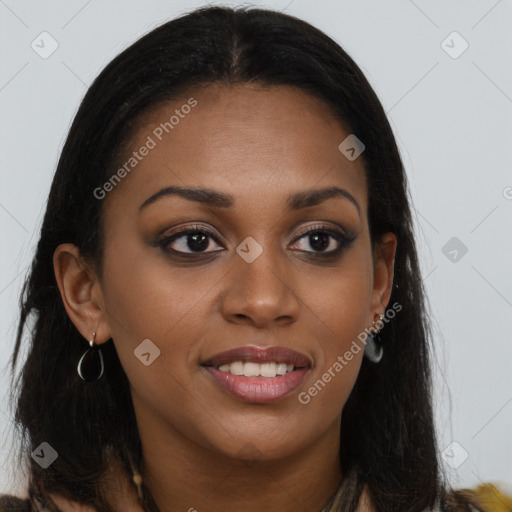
pixel 205 449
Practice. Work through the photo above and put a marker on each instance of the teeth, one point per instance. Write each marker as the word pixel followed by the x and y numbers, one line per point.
pixel 281 368
pixel 249 369
pixel 236 368
pixel 268 370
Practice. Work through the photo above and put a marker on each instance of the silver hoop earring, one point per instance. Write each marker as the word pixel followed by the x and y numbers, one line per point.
pixel 90 367
pixel 373 349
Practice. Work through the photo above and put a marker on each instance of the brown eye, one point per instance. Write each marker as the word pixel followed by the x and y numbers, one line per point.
pixel 324 241
pixel 189 241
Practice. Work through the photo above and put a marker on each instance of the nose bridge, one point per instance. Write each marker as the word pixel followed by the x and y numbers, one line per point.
pixel 258 284
pixel 259 265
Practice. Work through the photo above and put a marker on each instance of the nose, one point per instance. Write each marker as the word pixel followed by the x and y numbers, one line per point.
pixel 261 293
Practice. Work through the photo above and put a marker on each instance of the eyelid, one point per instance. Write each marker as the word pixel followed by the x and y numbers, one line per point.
pixel 183 230
pixel 193 227
pixel 339 230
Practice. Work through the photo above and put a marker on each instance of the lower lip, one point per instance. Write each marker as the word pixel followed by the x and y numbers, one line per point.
pixel 258 390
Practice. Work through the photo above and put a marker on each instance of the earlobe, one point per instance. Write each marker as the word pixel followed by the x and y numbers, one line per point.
pixel 76 280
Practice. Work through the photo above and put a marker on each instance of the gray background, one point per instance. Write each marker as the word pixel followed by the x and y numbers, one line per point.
pixel 452 119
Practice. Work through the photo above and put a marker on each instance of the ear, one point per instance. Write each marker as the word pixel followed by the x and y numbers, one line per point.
pixel 384 263
pixel 81 293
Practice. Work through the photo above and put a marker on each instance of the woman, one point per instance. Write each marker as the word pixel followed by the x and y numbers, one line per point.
pixel 227 234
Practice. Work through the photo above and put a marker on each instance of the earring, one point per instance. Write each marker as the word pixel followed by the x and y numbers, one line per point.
pixel 136 478
pixel 90 367
pixel 373 349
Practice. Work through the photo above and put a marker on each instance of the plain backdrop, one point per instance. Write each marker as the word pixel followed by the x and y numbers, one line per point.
pixel 450 107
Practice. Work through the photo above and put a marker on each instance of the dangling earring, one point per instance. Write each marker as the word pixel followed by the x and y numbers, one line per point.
pixel 136 479
pixel 373 349
pixel 90 367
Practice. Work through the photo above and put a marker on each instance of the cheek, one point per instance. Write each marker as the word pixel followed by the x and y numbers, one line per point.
pixel 343 308
pixel 147 299
pixel 343 302
pixel 339 358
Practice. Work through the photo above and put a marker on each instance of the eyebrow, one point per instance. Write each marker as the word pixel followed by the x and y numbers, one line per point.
pixel 213 198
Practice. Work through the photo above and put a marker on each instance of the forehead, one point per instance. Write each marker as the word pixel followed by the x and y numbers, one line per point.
pixel 246 139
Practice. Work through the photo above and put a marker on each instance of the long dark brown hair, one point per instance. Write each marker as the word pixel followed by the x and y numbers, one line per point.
pixel 387 433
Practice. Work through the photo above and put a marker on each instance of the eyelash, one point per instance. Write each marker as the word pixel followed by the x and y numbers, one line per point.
pixel 343 240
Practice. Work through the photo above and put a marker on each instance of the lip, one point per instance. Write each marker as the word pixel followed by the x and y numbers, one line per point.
pixel 259 390
pixel 260 355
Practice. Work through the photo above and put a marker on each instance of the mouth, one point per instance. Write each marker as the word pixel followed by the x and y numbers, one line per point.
pixel 258 375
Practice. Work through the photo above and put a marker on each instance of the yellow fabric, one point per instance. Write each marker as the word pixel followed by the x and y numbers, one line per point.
pixel 492 500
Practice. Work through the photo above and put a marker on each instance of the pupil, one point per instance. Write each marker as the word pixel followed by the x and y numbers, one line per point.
pixel 197 244
pixel 321 241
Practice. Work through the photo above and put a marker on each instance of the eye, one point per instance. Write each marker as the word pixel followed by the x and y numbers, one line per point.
pixel 196 239
pixel 324 241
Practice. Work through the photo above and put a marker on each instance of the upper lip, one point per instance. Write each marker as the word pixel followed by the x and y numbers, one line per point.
pixel 260 355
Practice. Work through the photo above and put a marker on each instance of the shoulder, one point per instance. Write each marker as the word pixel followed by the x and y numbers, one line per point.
pixel 484 498
pixel 10 503
pixel 490 498
pixel 65 505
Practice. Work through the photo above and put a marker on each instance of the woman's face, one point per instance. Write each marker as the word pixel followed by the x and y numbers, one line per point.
pixel 254 280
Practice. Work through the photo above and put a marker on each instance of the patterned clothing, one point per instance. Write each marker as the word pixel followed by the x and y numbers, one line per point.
pixel 486 496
